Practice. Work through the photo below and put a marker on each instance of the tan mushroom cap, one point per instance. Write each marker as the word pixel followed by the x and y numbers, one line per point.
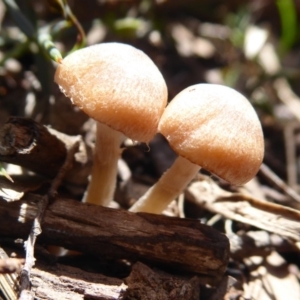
pixel 216 128
pixel 115 84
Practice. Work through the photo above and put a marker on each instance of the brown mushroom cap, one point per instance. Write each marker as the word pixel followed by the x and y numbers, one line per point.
pixel 216 128
pixel 115 84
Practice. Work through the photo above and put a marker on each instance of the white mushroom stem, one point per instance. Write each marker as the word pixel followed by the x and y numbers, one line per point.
pixel 104 172
pixel 169 186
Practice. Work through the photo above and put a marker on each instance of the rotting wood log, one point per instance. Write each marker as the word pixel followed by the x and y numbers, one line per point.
pixel 180 244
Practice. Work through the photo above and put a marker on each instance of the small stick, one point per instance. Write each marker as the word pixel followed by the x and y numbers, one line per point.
pixel 25 286
pixel 266 171
pixel 291 157
pixel 287 96
pixel 270 207
pixel 181 205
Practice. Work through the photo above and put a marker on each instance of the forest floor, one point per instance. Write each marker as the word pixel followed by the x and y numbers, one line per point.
pixel 46 145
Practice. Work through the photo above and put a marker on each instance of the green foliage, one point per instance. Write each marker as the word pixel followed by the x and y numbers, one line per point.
pixel 43 36
pixel 71 19
pixel 238 22
pixel 30 32
pixel 20 19
pixel 29 37
pixel 289 24
pixel 4 173
pixel 131 27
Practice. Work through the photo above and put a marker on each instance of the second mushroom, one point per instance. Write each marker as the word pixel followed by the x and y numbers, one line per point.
pixel 211 126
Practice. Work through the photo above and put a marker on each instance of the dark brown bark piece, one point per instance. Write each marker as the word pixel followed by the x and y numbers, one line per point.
pixel 23 142
pixel 180 244
pixel 42 150
pixel 147 284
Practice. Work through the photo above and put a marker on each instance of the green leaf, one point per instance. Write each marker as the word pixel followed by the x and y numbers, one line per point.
pixel 288 17
pixel 4 173
pixel 45 41
pixel 20 19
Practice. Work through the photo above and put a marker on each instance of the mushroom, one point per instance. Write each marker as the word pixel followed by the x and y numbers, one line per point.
pixel 211 126
pixel 122 89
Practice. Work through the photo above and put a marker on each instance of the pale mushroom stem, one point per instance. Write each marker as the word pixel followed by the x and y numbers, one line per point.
pixel 169 186
pixel 105 166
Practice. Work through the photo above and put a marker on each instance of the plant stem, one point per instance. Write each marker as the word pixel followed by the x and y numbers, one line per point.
pixel 104 172
pixel 168 187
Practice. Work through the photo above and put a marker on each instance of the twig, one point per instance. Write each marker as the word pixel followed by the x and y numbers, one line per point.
pixel 287 96
pixel 273 208
pixel 279 182
pixel 181 206
pixel 244 208
pixel 213 220
pixel 68 15
pixel 290 149
pixel 25 286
